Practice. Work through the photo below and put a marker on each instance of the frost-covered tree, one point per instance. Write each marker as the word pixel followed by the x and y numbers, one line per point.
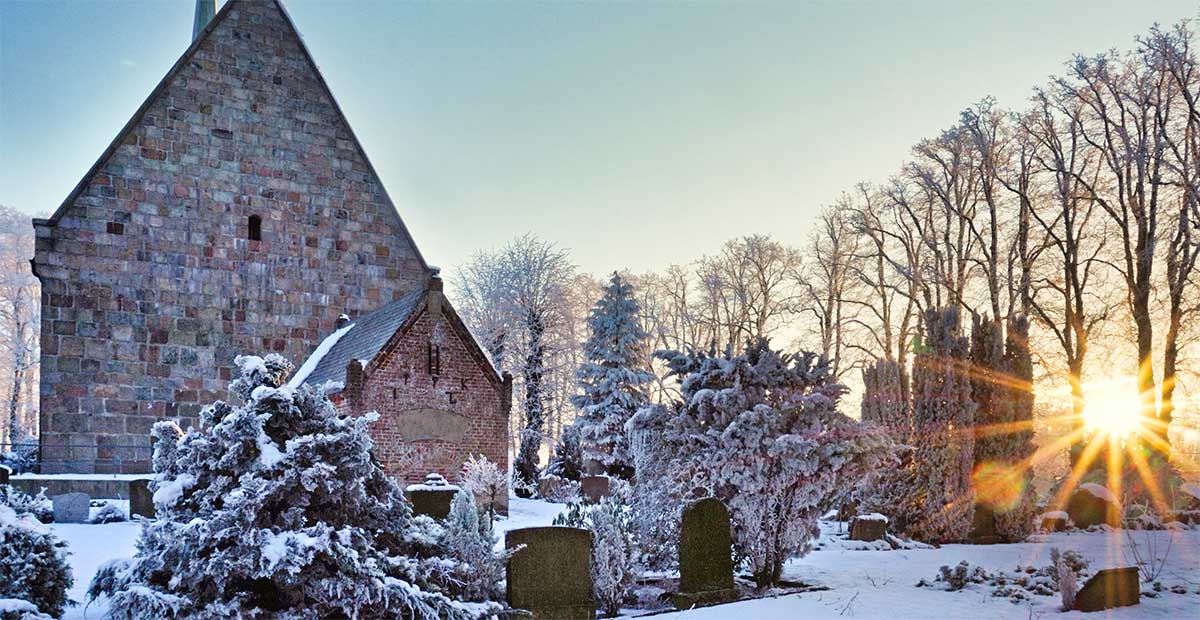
pixel 760 431
pixel 1001 386
pixel 471 540
pixel 613 379
pixel 486 481
pixel 33 562
pixel 567 462
pixel 615 557
pixel 276 509
pixel 886 400
pixel 940 496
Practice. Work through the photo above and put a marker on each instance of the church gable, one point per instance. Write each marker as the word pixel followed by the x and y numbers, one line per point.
pixel 235 213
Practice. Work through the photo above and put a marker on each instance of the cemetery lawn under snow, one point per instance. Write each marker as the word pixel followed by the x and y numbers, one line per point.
pixel 873 585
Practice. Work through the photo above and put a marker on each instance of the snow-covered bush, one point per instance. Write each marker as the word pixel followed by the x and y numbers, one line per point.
pixel 761 432
pixel 613 378
pixel 108 513
pixel 615 562
pixel 486 480
pixel 471 540
pixel 276 509
pixel 567 462
pixel 33 565
pixel 1019 585
pixel 558 490
pixel 17 609
pixel 38 505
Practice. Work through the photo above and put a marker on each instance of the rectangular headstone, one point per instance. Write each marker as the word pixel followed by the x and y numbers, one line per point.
pixel 705 559
pixel 71 507
pixel 594 488
pixel 1111 587
pixel 5 473
pixel 141 500
pixel 868 527
pixel 551 575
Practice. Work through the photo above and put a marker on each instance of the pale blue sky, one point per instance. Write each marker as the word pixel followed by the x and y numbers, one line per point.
pixel 635 134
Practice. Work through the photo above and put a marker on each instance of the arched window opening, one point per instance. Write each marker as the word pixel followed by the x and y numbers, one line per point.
pixel 255 231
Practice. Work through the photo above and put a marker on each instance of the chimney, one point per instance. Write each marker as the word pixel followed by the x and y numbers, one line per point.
pixel 434 297
pixel 205 10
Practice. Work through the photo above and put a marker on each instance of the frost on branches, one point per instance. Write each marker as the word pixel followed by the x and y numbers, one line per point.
pixel 615 558
pixel 34 574
pixel 613 378
pixel 886 397
pixel 277 510
pixel 761 432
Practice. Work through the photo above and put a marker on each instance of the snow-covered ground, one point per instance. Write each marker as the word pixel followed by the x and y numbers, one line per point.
pixel 872 585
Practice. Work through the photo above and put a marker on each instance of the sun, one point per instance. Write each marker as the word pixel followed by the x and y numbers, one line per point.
pixel 1112 407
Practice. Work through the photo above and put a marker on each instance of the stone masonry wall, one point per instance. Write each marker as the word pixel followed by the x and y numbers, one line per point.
pixel 464 400
pixel 150 285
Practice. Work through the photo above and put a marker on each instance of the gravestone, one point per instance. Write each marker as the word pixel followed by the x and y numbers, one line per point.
pixel 705 561
pixel 983 526
pixel 5 473
pixel 141 500
pixel 1093 504
pixel 868 527
pixel 1054 521
pixel 594 488
pixel 550 575
pixel 433 497
pixel 71 507
pixel 1111 587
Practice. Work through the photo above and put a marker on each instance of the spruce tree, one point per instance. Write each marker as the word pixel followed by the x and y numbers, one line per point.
pixel 613 379
pixel 277 509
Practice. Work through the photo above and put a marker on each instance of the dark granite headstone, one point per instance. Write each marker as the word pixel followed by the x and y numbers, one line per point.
pixel 1087 508
pixel 705 561
pixel 141 500
pixel 1111 587
pixel 433 497
pixel 71 507
pixel 5 472
pixel 594 488
pixel 551 575
pixel 868 527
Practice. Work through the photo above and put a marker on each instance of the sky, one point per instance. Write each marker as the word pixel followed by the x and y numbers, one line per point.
pixel 634 134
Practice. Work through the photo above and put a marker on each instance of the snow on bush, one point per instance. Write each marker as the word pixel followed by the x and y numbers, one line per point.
pixel 33 564
pixel 761 432
pixel 17 609
pixel 1018 585
pixel 471 541
pixel 615 558
pixel 613 378
pixel 276 509
pixel 108 513
pixel 38 505
pixel 486 480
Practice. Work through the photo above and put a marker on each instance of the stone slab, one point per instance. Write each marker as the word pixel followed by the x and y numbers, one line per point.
pixel 71 507
pixel 1111 587
pixel 594 488
pixel 141 500
pixel 705 561
pixel 432 502
pixel 866 529
pixel 550 575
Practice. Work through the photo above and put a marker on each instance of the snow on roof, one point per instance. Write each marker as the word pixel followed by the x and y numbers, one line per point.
pixel 310 364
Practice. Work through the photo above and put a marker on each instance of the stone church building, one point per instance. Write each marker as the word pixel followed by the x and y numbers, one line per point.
pixel 236 212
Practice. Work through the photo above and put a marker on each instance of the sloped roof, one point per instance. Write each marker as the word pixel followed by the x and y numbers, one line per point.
pixel 365 338
pixel 183 61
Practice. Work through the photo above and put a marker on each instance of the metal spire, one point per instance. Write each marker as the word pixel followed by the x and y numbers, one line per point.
pixel 205 10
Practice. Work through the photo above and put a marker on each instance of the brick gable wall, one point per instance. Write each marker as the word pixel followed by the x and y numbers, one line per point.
pixel 404 392
pixel 150 285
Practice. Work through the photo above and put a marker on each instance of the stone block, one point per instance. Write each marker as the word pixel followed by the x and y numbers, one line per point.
pixel 71 507
pixel 705 560
pixel 5 474
pixel 141 500
pixel 868 527
pixel 594 488
pixel 433 497
pixel 1111 587
pixel 550 576
pixel 1093 504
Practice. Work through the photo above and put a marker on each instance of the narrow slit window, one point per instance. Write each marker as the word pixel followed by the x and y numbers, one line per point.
pixel 255 228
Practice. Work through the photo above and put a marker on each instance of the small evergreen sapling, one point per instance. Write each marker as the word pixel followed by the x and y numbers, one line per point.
pixel 33 563
pixel 613 378
pixel 277 510
pixel 567 462
pixel 471 540
pixel 615 558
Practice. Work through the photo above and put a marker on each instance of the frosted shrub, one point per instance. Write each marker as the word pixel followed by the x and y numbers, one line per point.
pixel 613 378
pixel 33 565
pixel 38 505
pixel 760 431
pixel 277 510
pixel 108 513
pixel 486 481
pixel 471 540
pixel 614 550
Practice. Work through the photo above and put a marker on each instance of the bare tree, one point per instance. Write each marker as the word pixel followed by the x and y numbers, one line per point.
pixel 748 289
pixel 827 280
pixel 19 326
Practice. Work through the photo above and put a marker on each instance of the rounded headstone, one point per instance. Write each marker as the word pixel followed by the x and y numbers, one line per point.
pixel 550 575
pixel 1093 504
pixel 705 559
